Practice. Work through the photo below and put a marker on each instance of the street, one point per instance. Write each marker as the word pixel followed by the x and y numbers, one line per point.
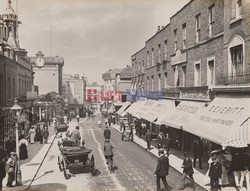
pixel 134 165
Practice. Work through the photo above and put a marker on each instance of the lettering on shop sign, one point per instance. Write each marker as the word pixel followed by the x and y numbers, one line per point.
pixel 188 109
pixel 216 120
pixel 226 110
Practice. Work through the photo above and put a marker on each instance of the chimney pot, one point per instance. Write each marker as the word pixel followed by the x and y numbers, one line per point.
pixel 159 28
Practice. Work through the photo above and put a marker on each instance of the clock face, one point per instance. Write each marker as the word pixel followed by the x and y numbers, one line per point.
pixel 39 62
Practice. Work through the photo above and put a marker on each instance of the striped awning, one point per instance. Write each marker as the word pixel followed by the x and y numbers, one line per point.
pixel 241 138
pixel 224 121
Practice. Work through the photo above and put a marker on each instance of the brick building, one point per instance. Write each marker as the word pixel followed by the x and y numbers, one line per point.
pixel 15 71
pixel 201 55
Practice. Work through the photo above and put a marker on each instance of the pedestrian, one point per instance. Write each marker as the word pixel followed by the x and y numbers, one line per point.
pixel 32 134
pixel 106 121
pixel 46 135
pixel 108 153
pixel 75 135
pixel 148 138
pixel 2 166
pixel 78 118
pixel 237 166
pixel 246 159
pixel 144 129
pixel 187 171
pixel 113 119
pixel 107 133
pixel 162 170
pixel 224 165
pixel 122 126
pixel 38 133
pixel 109 121
pixel 167 143
pixel 65 118
pixel 11 169
pixel 215 172
pixel 160 142
pixel 23 143
pixel 131 133
pixel 42 133
pixel 197 151
pixel 10 145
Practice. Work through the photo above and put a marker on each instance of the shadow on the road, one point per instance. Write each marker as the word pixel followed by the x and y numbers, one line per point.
pixel 45 173
pixel 45 187
pixel 32 164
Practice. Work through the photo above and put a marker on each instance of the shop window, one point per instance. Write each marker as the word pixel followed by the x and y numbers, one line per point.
pixel 197 74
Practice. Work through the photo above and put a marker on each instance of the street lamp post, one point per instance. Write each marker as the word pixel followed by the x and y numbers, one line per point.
pixel 16 109
pixel 47 113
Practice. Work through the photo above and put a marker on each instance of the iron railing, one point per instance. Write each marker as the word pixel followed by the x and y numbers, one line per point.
pixel 234 80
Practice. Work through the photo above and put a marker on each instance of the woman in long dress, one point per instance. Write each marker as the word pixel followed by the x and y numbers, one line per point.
pixel 32 135
pixel 23 143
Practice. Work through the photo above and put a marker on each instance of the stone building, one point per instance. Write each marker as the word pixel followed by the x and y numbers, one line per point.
pixel 47 73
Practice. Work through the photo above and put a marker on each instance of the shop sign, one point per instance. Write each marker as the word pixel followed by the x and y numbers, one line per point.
pixel 201 93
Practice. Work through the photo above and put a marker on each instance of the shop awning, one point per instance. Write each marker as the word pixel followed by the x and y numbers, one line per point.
pixel 123 108
pixel 180 116
pixel 138 108
pixel 222 122
pixel 157 108
pixel 111 109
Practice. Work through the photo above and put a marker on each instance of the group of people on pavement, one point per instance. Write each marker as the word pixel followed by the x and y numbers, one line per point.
pixel 38 134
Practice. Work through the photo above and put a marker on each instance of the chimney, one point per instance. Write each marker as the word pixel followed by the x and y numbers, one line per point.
pixel 162 27
pixel 158 29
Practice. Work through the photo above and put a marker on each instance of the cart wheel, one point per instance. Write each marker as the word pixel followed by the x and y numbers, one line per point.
pixel 66 175
pixel 60 164
pixel 92 160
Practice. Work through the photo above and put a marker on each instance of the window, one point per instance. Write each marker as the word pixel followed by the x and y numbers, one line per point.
pixel 9 96
pixel 152 83
pixel 142 65
pixel 159 82
pixel 148 58
pixel 159 53
pixel 175 39
pixel 139 65
pixel 237 59
pixel 19 87
pixel 14 88
pixel 210 72
pixel 184 69
pixel 211 20
pixel 184 43
pixel 198 29
pixel 176 76
pixel 197 74
pixel 238 8
pixel 165 79
pixel 166 49
pixel 152 57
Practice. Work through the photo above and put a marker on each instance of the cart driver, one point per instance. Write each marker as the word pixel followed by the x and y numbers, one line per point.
pixel 75 136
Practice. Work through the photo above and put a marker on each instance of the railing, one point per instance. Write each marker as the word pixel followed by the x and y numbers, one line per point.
pixel 234 80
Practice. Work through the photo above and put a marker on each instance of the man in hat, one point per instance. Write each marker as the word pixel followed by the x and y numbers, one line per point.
pixel 187 171
pixel 108 153
pixel 162 170
pixel 215 171
pixel 11 167
pixel 2 167
pixel 107 133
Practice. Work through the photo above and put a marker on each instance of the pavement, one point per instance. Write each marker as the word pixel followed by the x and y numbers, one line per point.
pixel 176 163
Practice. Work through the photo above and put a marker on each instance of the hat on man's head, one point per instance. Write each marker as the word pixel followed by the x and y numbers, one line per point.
pixel 161 150
pixel 12 153
pixel 185 154
pixel 107 140
pixel 214 152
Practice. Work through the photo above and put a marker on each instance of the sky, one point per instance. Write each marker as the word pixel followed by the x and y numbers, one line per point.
pixel 92 35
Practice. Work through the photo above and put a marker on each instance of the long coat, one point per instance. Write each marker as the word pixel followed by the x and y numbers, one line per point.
pixel 107 133
pixel 187 166
pixel 215 170
pixel 162 166
pixel 108 149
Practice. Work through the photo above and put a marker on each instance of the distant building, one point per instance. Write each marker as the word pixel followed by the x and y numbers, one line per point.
pixel 74 92
pixel 47 73
pixel 109 78
pixel 93 97
pixel 123 83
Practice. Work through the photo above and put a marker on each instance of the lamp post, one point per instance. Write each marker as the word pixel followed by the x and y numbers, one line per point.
pixel 16 109
pixel 47 113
